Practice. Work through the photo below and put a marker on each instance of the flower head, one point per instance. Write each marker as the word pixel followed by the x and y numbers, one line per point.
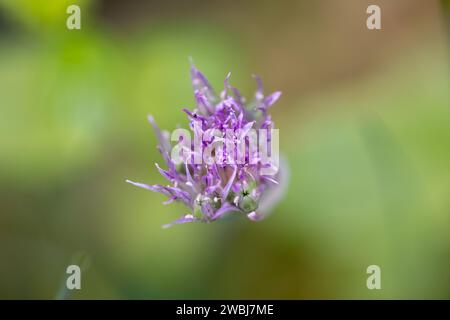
pixel 207 177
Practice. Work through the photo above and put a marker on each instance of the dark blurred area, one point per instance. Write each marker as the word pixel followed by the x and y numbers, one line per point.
pixel 364 123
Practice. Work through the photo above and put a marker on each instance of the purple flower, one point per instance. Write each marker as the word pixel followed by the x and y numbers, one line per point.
pixel 212 189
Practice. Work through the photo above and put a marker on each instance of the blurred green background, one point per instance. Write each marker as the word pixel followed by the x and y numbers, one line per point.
pixel 364 123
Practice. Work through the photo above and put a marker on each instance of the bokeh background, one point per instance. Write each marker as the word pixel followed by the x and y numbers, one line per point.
pixel 364 122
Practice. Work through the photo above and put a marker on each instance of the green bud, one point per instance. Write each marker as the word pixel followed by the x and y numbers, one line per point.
pixel 216 202
pixel 180 167
pixel 198 211
pixel 247 203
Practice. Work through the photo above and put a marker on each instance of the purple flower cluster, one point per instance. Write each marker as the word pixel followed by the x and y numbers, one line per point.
pixel 213 190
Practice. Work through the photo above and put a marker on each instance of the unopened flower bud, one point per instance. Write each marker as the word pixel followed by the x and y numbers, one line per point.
pixel 247 203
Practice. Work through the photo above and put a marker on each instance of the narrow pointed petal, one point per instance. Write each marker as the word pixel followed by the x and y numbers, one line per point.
pixel 207 209
pixel 184 219
pixel 247 128
pixel 224 209
pixel 259 95
pixel 140 185
pixel 164 173
pixel 203 103
pixel 172 199
pixel 227 188
pixel 254 216
pixel 269 179
pixel 168 162
pixel 163 141
pixel 180 194
pixel 270 100
pixel 200 83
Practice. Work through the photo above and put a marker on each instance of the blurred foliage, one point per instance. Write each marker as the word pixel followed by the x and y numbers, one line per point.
pixel 368 153
pixel 40 15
